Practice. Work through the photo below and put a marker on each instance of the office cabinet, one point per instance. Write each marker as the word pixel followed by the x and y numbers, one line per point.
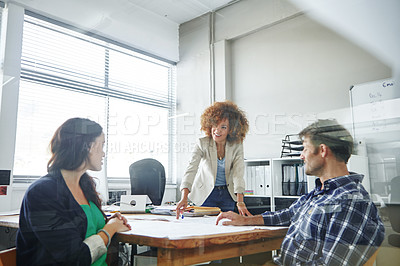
pixel 258 185
pixel 278 179
pixel 258 177
pixel 256 204
pixel 284 179
pixel 289 182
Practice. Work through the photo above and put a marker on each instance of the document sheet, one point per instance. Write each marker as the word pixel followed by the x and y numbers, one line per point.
pixel 168 226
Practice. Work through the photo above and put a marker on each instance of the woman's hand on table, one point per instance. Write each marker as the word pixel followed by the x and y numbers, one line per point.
pixel 242 209
pixel 119 223
pixel 181 207
pixel 182 204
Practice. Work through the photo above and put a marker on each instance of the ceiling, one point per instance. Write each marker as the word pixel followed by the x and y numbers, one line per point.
pixel 151 26
pixel 176 11
pixel 179 11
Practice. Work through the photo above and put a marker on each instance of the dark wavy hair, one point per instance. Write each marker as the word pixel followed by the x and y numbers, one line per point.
pixel 214 114
pixel 70 147
pixel 333 135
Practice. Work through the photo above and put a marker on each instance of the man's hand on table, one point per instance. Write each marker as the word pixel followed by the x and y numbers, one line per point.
pixel 236 219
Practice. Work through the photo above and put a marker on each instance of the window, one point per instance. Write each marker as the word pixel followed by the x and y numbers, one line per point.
pixel 65 73
pixel 1 13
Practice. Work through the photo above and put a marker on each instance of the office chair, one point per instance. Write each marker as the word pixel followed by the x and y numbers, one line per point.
pixel 371 261
pixel 393 208
pixel 148 178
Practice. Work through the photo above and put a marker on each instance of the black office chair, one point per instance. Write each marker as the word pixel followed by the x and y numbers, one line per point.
pixel 148 178
pixel 393 208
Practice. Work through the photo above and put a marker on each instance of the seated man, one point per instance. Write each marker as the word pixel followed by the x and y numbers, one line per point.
pixel 336 223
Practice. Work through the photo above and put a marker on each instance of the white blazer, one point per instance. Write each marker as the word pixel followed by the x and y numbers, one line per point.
pixel 201 172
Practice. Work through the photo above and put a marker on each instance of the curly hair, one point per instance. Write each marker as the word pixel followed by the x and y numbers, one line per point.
pixel 214 114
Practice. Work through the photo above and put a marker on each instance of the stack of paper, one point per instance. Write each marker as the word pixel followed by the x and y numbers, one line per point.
pixel 200 211
pixel 190 210
pixel 164 210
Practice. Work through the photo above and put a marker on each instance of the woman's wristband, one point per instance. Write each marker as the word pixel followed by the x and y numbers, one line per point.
pixel 108 236
pixel 241 203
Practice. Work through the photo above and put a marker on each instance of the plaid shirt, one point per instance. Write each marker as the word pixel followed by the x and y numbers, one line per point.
pixel 338 225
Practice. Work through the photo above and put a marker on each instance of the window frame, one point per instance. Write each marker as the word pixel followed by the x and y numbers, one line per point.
pixel 170 104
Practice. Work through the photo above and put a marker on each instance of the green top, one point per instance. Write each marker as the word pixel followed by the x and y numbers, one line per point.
pixel 95 222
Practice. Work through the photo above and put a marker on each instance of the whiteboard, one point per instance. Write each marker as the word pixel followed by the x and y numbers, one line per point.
pixel 374 103
pixel 372 92
pixel 375 108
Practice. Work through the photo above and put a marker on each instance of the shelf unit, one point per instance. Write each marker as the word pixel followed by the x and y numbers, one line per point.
pixel 259 185
pixel 279 199
pixel 258 176
pixel 264 177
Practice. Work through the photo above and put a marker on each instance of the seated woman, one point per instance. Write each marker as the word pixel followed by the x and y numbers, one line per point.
pixel 61 221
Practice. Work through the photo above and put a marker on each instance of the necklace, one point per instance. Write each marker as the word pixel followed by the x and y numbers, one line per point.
pixel 221 151
pixel 221 155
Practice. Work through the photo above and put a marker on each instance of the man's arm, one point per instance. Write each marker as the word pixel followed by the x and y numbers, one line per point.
pixel 236 219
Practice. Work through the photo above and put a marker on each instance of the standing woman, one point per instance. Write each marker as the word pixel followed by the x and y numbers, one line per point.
pixel 61 221
pixel 214 177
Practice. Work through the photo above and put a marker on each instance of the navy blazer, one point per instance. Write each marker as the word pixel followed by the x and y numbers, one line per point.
pixel 52 225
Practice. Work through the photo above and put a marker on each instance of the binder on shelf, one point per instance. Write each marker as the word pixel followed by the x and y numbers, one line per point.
pixel 259 173
pixel 285 180
pixel 267 180
pixel 248 179
pixel 258 177
pixel 302 180
pixel 253 179
pixel 294 180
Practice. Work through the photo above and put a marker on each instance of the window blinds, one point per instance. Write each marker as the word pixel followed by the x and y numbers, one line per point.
pixel 65 73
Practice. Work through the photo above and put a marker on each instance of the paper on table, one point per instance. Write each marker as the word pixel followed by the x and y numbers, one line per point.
pixel 163 210
pixel 190 211
pixel 110 208
pixel 13 212
pixel 168 226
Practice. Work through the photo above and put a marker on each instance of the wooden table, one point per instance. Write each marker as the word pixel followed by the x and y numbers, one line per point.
pixel 186 250
pixel 11 221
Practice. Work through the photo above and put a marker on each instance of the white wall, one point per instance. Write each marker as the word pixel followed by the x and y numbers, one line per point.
pixel 374 25
pixel 285 69
pixel 285 75
pixel 11 39
pixel 193 69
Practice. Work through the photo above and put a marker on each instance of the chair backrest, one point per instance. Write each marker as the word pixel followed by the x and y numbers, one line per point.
pixel 148 178
pixel 371 260
pixel 8 257
pixel 395 190
pixel 393 210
